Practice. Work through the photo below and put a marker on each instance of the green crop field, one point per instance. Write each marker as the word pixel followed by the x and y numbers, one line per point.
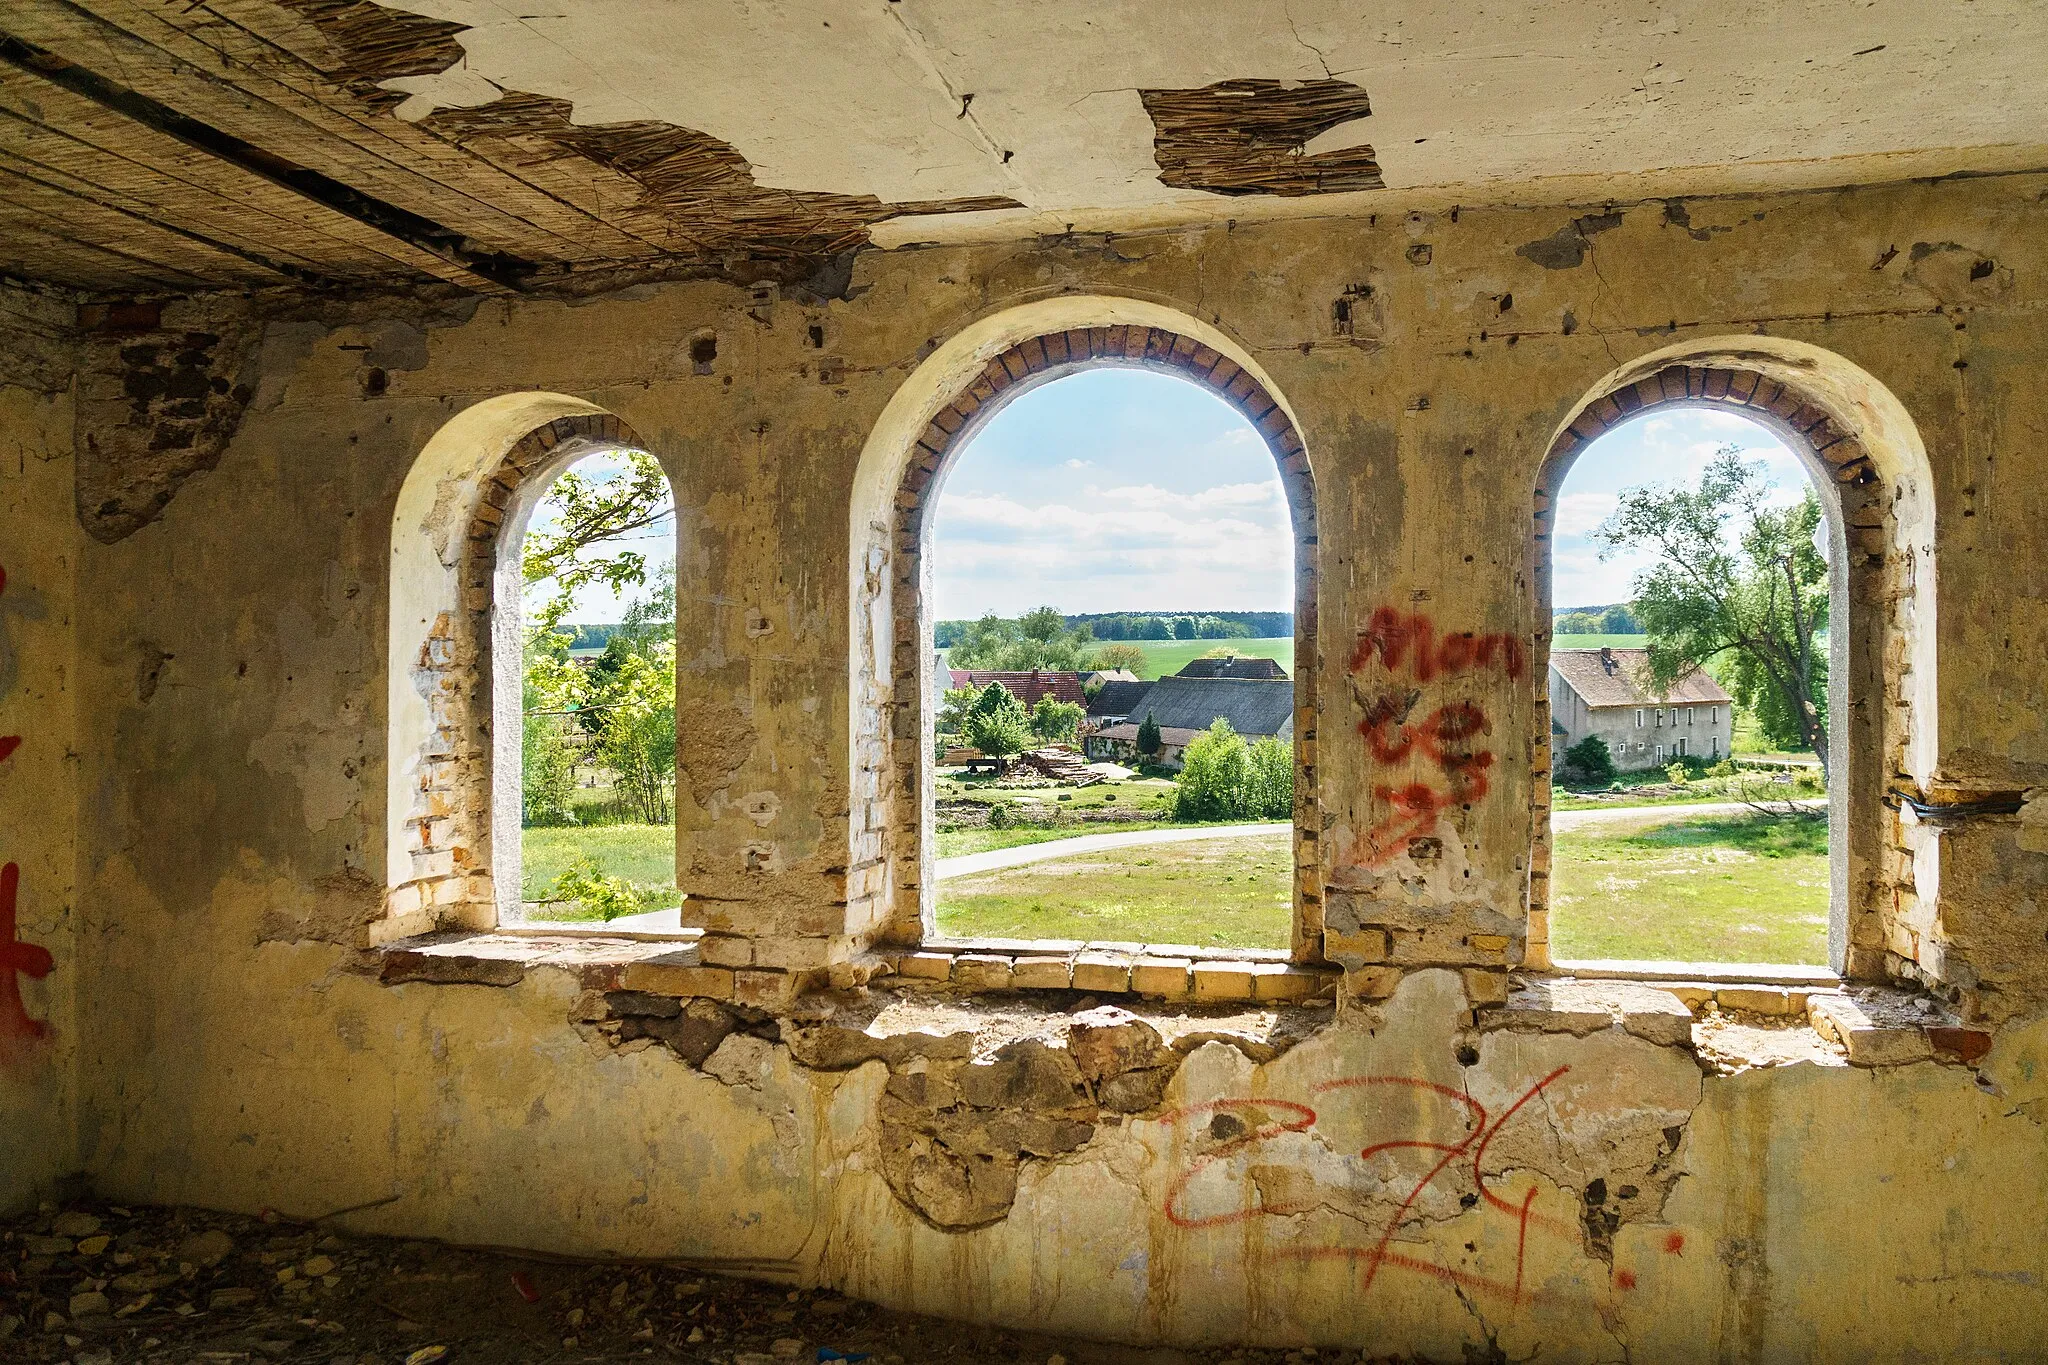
pixel 1170 656
pixel 1599 641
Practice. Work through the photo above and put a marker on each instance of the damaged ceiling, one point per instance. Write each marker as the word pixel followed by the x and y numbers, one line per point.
pixel 168 145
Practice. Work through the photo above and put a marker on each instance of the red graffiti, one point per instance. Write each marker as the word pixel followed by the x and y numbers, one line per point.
pixel 1260 1120
pixel 1444 738
pixel 1410 641
pixel 1674 1244
pixel 8 744
pixel 17 959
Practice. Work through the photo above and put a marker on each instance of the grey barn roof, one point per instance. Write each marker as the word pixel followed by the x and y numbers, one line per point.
pixel 1234 666
pixel 1118 698
pixel 1620 677
pixel 1251 707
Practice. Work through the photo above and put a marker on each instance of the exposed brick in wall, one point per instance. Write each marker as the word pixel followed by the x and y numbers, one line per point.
pixel 1882 901
pixel 892 756
pixel 449 824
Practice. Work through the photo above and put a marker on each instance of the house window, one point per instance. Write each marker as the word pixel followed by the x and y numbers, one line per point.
pixel 1639 718
pixel 1033 619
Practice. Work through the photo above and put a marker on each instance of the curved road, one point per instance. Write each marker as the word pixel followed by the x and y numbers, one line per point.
pixel 968 864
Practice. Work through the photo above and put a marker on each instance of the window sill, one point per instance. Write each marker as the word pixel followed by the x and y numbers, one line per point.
pixel 1170 972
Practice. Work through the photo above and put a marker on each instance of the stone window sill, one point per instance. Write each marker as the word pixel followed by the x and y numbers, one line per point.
pixel 1739 1023
pixel 674 966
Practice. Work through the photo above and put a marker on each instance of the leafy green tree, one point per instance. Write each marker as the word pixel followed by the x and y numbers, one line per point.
pixel 1183 627
pixel 996 724
pixel 600 894
pixel 1271 795
pixel 1055 721
pixel 1045 623
pixel 1215 776
pixel 1619 620
pixel 1148 736
pixel 587 513
pixel 637 739
pixel 953 708
pixel 1763 604
pixel 1589 761
pixel 549 690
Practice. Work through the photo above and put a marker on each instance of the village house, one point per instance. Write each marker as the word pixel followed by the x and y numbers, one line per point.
pixel 1605 692
pixel 1183 707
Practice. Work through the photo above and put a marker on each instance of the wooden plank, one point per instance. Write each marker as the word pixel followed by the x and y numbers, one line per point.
pixel 153 197
pixel 375 252
pixel 131 235
pixel 140 65
pixel 269 52
pixel 32 248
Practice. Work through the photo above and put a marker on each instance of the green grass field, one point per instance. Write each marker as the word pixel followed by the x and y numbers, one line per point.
pixel 1599 641
pixel 1207 893
pixel 1728 889
pixel 1170 656
pixel 645 854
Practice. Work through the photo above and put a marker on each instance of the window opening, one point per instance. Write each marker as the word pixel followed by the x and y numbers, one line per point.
pixel 594 653
pixel 1113 605
pixel 1721 557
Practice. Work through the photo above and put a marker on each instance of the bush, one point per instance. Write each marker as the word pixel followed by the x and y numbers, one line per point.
pixel 587 883
pixel 1055 721
pixel 1148 735
pixel 999 815
pixel 1272 781
pixel 1215 776
pixel 546 784
pixel 1677 773
pixel 1725 768
pixel 1589 762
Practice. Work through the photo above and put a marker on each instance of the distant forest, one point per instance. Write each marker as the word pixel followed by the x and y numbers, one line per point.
pixel 1160 625
pixel 1614 619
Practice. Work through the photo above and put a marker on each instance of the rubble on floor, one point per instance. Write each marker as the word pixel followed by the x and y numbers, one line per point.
pixel 97 1284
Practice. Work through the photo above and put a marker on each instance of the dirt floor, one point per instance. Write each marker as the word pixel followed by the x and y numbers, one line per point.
pixel 94 1284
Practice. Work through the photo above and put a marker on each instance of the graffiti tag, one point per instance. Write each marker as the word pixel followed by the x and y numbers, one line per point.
pixel 17 959
pixel 1407 649
pixel 1245 1123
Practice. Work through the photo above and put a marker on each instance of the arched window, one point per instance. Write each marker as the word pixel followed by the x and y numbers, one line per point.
pixel 597 669
pixel 1691 577
pixel 1868 474
pixel 897 692
pixel 1112 592
pixel 455 703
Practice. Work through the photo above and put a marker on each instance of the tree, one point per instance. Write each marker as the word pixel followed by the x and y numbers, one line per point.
pixel 549 689
pixel 1183 627
pixel 587 513
pixel 1045 623
pixel 1590 761
pixel 1120 655
pixel 996 723
pixel 953 708
pixel 637 736
pixel 1148 736
pixel 1272 780
pixel 1215 775
pixel 1055 721
pixel 1762 603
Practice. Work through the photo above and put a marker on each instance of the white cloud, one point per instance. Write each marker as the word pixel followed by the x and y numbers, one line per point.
pixel 1077 464
pixel 1578 514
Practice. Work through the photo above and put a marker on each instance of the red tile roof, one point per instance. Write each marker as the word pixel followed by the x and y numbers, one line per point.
pixel 1025 687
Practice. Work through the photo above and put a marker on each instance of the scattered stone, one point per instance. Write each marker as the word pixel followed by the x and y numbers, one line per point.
pixel 317 1266
pixel 92 1303
pixel 93 1246
pixel 48 1246
pixel 230 1298
pixel 786 1348
pixel 141 1282
pixel 207 1248
pixel 72 1224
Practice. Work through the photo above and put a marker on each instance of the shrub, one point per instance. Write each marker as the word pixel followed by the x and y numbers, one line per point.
pixel 1725 768
pixel 1148 735
pixel 547 785
pixel 1215 776
pixel 999 815
pixel 1055 721
pixel 1589 761
pixel 1272 781
pixel 600 893
pixel 1677 773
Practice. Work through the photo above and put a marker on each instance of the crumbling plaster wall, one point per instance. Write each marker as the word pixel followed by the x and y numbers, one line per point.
pixel 39 546
pixel 231 705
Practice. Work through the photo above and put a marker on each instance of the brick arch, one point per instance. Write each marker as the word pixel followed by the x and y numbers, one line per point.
pixel 457 816
pixel 901 856
pixel 1872 592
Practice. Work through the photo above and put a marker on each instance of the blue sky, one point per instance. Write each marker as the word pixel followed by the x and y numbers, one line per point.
pixel 1670 445
pixel 1128 490
pixel 1113 490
